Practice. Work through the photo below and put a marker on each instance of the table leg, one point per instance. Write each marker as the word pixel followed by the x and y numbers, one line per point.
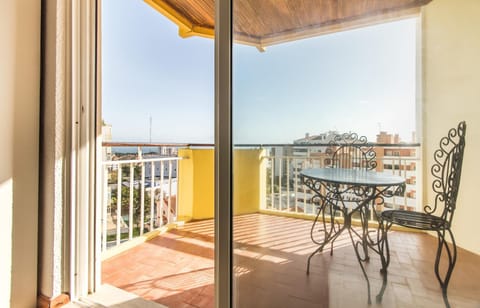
pixel 330 233
pixel 359 258
pixel 364 223
pixel 384 252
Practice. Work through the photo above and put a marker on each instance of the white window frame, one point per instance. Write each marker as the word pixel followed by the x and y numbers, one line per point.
pixel 82 112
pixel 223 154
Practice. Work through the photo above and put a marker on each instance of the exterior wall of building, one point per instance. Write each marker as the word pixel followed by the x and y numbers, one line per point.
pixel 451 79
pixel 19 121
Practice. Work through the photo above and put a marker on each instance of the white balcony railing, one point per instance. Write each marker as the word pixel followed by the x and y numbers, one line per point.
pixel 286 193
pixel 140 193
pixel 140 190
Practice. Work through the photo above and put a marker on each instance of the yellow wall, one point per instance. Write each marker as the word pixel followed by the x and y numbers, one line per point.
pixel 248 175
pixel 204 184
pixel 185 185
pixel 196 182
pixel 451 93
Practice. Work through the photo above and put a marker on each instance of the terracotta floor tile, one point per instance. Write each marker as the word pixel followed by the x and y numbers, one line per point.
pixel 176 269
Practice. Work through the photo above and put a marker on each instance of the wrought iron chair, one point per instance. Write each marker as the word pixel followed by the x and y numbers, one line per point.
pixel 446 172
pixel 348 151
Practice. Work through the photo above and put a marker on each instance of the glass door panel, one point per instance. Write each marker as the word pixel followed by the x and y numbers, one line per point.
pixel 301 75
pixel 157 224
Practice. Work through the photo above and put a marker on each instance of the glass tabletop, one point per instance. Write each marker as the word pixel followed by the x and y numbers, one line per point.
pixel 353 176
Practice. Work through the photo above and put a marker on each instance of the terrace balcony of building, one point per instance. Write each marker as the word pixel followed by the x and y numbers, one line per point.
pixel 171 259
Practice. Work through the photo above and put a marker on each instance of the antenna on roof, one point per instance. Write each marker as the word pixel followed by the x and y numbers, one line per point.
pixel 150 138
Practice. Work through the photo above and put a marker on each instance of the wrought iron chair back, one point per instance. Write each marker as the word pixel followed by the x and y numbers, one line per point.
pixel 350 151
pixel 446 171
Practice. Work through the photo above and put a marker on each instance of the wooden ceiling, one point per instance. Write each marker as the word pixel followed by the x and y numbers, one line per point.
pixel 266 22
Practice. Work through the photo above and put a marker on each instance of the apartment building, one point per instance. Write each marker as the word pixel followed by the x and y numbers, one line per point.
pixel 393 156
pixel 396 157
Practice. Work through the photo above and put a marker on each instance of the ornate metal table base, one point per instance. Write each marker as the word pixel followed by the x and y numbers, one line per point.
pixel 347 199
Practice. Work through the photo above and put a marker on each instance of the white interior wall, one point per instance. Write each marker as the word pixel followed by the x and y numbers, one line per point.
pixel 451 93
pixel 19 120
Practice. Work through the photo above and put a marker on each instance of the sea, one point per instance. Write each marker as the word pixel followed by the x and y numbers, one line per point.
pixel 134 149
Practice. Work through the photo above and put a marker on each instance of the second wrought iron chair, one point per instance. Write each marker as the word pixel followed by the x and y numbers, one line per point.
pixel 446 172
pixel 350 151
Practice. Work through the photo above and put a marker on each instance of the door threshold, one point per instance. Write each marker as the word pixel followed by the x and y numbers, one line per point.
pixel 110 296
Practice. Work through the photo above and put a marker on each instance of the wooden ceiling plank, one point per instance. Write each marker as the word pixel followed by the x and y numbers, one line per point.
pixel 333 27
pixel 266 22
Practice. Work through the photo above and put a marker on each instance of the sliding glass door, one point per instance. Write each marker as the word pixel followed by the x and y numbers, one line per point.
pixel 301 74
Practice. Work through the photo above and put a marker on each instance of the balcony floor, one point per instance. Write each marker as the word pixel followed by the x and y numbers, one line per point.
pixel 176 269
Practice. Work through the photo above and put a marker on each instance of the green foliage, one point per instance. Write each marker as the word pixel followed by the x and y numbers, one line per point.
pixel 113 237
pixel 125 203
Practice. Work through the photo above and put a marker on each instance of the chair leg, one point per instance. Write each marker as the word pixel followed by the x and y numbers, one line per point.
pixel 384 252
pixel 451 258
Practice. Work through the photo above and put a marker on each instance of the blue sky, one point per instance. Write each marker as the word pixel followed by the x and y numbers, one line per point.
pixel 149 71
pixel 361 80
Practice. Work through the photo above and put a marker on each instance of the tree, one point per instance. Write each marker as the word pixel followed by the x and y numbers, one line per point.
pixel 125 205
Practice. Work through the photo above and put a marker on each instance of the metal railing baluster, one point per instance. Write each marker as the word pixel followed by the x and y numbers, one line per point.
pixel 288 182
pixel 169 207
pixel 280 173
pixel 272 183
pixel 162 193
pixel 142 200
pixel 152 194
pixel 295 183
pixel 119 201
pixel 105 207
pixel 130 204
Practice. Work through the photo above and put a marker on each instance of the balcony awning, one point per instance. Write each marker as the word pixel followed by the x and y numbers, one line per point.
pixel 262 23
